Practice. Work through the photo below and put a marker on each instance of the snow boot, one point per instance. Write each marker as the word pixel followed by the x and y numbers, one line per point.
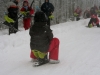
pixel 41 61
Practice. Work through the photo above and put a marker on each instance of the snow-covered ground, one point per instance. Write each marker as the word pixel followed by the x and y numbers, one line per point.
pixel 79 51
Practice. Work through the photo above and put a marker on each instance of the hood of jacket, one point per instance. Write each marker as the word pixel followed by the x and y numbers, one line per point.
pixel 25 1
pixel 47 2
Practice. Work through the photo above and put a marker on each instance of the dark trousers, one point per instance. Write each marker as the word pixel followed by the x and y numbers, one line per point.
pixel 48 22
pixel 48 19
pixel 77 18
pixel 13 28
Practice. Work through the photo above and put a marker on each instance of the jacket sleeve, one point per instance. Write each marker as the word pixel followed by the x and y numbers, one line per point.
pixel 52 8
pixel 30 31
pixel 43 8
pixel 49 33
pixel 31 11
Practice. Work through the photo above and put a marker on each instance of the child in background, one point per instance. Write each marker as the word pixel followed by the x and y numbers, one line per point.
pixel 26 11
pixel 12 15
pixel 94 21
pixel 77 13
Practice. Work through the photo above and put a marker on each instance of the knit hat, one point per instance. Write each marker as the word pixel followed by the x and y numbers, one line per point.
pixel 25 1
pixel 40 17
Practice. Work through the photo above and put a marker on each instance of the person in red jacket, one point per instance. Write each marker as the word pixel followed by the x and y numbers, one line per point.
pixel 77 13
pixel 94 21
pixel 26 12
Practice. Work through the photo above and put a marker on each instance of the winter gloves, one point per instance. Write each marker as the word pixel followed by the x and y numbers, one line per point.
pixel 51 17
pixel 8 19
pixel 75 14
pixel 25 14
pixel 90 25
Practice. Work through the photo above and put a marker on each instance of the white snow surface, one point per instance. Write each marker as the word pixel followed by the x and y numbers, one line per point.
pixel 79 51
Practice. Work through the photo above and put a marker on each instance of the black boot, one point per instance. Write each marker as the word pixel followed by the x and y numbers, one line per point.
pixel 44 60
pixel 98 25
pixel 41 61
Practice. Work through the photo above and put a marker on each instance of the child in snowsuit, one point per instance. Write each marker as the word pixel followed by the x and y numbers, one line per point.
pixel 26 11
pixel 77 13
pixel 42 42
pixel 12 9
pixel 94 21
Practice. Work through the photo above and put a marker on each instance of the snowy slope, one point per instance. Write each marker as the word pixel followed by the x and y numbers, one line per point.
pixel 79 52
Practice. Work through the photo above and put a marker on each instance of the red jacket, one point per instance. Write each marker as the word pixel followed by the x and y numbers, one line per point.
pixel 29 8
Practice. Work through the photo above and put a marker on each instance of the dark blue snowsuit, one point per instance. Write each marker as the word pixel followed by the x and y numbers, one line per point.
pixel 48 9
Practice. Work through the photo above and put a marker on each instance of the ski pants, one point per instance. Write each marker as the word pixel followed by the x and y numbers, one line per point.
pixel 53 50
pixel 11 30
pixel 27 23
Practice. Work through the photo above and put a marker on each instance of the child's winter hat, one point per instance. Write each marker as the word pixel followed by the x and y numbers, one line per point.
pixel 40 17
pixel 25 1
